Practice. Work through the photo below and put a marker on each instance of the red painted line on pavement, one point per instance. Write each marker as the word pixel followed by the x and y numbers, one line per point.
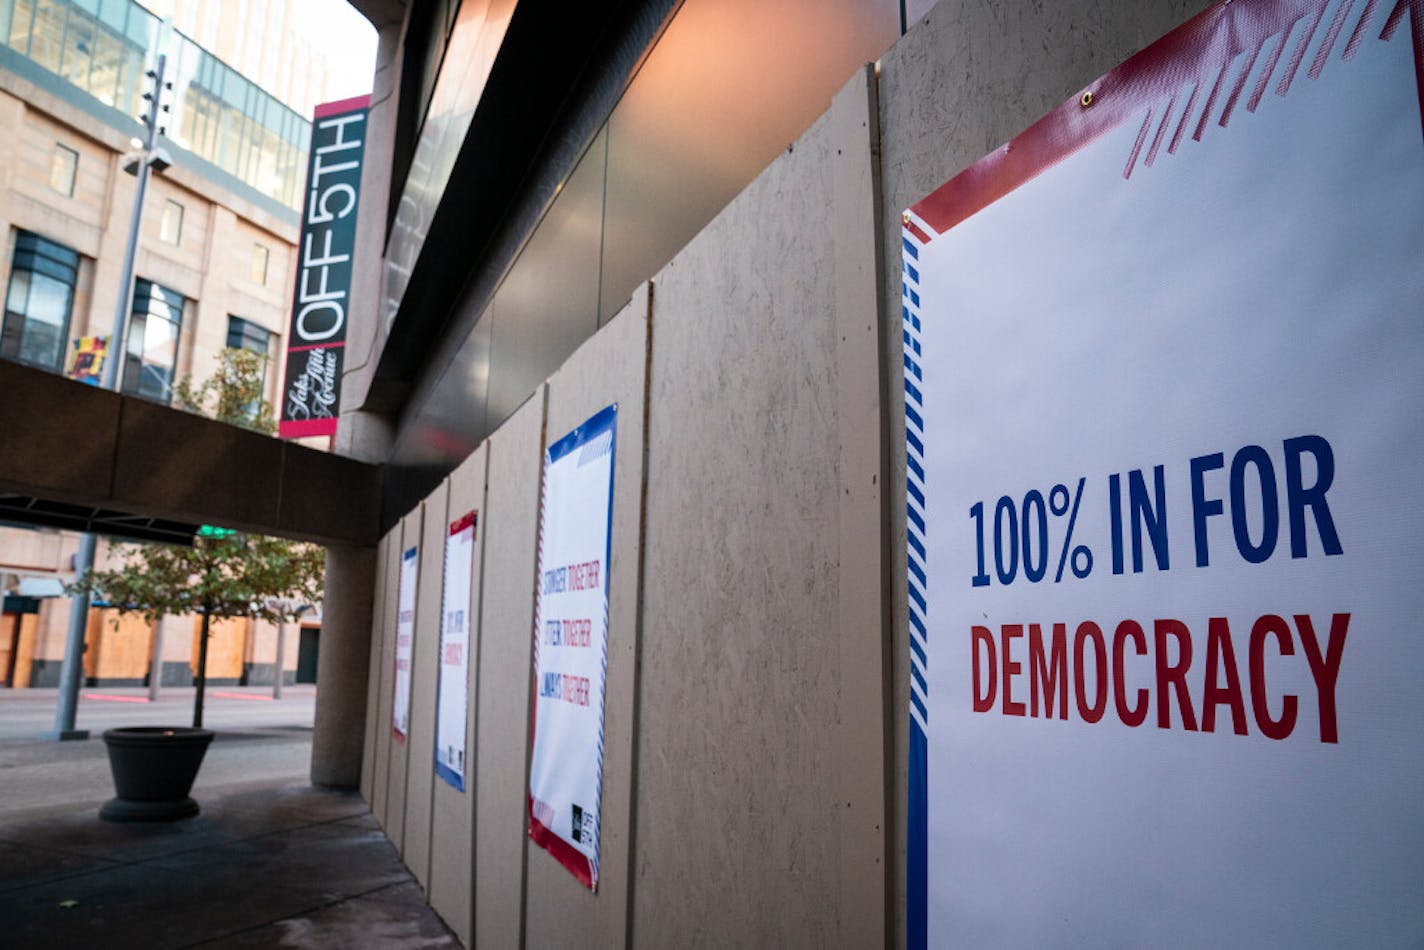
pixel 116 699
pixel 260 699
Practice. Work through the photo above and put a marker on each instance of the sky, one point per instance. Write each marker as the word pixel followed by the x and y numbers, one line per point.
pixel 350 43
pixel 332 29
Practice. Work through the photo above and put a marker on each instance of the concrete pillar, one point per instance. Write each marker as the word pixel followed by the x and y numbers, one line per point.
pixel 342 665
pixel 364 433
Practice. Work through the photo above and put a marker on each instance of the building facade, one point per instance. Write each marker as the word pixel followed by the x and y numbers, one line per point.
pixel 214 269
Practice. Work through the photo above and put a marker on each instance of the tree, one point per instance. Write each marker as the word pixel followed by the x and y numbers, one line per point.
pixel 234 392
pixel 225 574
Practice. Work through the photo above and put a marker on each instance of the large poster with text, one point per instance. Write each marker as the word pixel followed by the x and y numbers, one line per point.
pixel 405 641
pixel 1164 376
pixel 571 645
pixel 452 705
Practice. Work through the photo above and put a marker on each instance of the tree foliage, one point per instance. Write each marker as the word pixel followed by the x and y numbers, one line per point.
pixel 233 394
pixel 237 575
pixel 223 574
pixel 230 575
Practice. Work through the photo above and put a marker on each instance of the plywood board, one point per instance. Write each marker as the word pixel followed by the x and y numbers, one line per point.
pixel 506 644
pixel 452 856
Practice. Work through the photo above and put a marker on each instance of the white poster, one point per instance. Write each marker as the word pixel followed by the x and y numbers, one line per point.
pixel 1164 389
pixel 571 645
pixel 455 618
pixel 405 638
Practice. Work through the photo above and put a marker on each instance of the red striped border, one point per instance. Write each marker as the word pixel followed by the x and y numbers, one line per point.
pixel 342 105
pixel 1190 55
pixel 466 522
pixel 566 854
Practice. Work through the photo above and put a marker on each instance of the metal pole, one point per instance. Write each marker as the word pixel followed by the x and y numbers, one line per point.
pixel 64 725
pixel 117 345
pixel 281 658
pixel 73 662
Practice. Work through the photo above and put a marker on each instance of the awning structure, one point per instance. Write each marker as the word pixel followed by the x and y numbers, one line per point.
pixel 30 512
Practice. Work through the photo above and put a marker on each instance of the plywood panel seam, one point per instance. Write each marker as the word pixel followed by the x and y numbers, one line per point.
pixel 472 754
pixel 529 671
pixel 864 899
pixel 635 723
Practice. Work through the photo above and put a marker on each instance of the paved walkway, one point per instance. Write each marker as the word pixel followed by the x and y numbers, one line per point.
pixel 29 713
pixel 270 862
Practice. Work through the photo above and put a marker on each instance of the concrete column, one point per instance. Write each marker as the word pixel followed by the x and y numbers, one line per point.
pixel 365 434
pixel 342 666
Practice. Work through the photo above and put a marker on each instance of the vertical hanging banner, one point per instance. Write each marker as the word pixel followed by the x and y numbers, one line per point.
pixel 1166 522
pixel 311 392
pixel 405 640
pixel 452 705
pixel 571 645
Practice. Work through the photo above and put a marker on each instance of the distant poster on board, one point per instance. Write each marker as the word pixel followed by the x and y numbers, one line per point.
pixel 1163 384
pixel 405 640
pixel 452 707
pixel 571 645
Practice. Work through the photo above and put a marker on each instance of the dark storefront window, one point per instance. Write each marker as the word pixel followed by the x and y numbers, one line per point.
pixel 154 328
pixel 38 302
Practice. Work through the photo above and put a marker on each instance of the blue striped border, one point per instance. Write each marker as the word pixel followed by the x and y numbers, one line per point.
pixel 917 845
pixel 456 780
pixel 609 418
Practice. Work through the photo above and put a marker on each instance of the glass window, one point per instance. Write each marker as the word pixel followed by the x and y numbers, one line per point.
pixel 246 335
pixel 77 53
pixel 48 34
pixel 62 166
pixel 103 47
pixel 170 227
pixel 38 302
pixel 258 271
pixel 18 28
pixel 152 350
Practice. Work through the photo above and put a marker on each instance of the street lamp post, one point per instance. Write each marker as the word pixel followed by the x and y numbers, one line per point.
pixel 151 156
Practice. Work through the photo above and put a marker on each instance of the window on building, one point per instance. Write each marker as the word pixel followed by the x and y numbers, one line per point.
pixel 259 264
pixel 152 351
pixel 246 335
pixel 63 165
pixel 170 227
pixel 38 302
pixel 97 45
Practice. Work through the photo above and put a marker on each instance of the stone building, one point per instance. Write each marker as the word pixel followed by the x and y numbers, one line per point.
pixel 214 269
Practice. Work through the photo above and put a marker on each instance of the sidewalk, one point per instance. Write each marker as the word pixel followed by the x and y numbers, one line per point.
pixel 29 713
pixel 270 862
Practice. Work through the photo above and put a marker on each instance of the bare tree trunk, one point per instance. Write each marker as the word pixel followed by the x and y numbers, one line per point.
pixel 202 666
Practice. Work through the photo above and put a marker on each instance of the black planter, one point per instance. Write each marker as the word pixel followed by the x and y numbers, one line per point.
pixel 154 768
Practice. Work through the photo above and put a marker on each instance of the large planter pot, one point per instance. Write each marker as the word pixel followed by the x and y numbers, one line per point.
pixel 154 768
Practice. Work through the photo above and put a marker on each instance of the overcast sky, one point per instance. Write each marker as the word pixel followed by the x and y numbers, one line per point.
pixel 349 39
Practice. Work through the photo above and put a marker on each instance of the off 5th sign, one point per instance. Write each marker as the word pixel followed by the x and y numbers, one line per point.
pixel 311 393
